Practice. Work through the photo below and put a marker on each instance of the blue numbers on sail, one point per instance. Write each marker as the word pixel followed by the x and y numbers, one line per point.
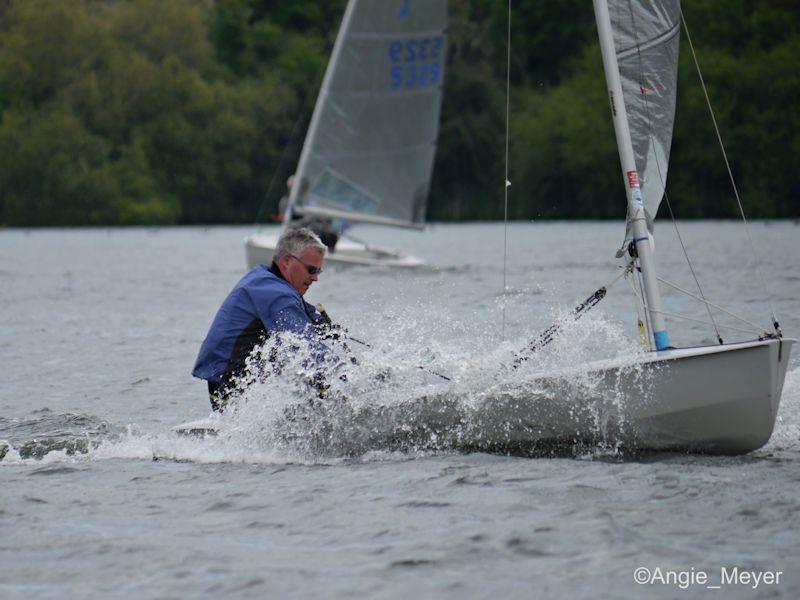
pixel 415 63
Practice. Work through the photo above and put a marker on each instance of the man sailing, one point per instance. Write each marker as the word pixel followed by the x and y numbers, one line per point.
pixel 265 302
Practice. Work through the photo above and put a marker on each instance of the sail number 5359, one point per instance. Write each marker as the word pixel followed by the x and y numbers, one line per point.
pixel 415 62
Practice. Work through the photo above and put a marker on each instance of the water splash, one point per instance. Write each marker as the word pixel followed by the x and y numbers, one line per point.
pixel 48 433
pixel 787 428
pixel 388 399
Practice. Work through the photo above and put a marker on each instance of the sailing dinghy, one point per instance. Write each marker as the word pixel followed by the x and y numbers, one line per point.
pixel 720 399
pixel 369 150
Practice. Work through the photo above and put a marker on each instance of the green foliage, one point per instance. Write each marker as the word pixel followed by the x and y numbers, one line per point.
pixel 468 168
pixel 118 113
pixel 755 96
pixel 292 38
pixel 46 46
pixel 545 38
pixel 55 172
pixel 160 30
pixel 575 163
pixel 193 111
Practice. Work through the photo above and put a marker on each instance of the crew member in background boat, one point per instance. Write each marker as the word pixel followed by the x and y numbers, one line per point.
pixel 326 229
pixel 265 302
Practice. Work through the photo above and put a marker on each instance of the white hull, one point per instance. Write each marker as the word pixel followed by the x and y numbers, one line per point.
pixel 716 399
pixel 713 399
pixel 259 249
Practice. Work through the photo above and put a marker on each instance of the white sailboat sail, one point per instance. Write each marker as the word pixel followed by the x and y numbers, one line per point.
pixel 646 39
pixel 368 155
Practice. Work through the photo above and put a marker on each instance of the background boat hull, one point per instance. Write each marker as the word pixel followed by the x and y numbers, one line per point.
pixel 259 250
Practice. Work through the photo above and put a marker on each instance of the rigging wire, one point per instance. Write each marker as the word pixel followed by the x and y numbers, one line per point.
pixel 279 169
pixel 730 176
pixel 691 266
pixel 639 297
pixel 506 183
pixel 711 304
pixel 662 178
pixel 758 331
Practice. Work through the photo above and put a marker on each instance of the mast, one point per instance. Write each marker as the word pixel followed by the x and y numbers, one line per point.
pixel 314 124
pixel 630 175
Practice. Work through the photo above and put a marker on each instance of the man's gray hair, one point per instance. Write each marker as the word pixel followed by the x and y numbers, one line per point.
pixel 294 241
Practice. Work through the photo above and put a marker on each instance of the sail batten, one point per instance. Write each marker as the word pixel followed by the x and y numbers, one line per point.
pixel 370 94
pixel 369 152
pixel 379 35
pixel 389 152
pixel 646 45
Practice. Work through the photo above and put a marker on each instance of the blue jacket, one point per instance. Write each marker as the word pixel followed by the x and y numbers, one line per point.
pixel 263 303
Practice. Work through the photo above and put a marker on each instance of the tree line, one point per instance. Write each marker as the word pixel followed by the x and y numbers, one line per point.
pixel 194 111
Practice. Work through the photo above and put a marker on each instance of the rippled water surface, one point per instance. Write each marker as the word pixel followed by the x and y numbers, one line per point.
pixel 98 498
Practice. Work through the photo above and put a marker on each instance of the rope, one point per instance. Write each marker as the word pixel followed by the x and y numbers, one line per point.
pixel 367 345
pixel 507 183
pixel 648 322
pixel 335 330
pixel 549 334
pixel 730 176
pixel 642 315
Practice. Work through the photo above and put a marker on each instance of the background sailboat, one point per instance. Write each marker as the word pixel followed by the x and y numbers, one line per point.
pixel 369 150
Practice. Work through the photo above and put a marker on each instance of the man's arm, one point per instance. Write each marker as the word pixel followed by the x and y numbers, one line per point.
pixel 294 319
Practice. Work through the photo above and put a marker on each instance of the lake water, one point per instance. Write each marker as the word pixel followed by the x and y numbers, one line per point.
pixel 98 498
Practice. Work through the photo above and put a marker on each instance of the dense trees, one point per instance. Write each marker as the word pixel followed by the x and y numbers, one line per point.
pixel 127 112
pixel 145 111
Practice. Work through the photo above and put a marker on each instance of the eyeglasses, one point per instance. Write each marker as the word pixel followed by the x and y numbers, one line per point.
pixel 312 270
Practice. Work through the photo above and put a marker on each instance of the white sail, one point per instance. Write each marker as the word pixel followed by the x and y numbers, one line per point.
pixel 368 155
pixel 646 39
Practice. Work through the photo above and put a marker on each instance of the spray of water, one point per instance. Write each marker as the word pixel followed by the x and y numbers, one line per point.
pixel 787 428
pixel 386 401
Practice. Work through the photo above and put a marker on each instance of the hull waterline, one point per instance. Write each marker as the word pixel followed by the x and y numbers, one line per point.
pixel 716 399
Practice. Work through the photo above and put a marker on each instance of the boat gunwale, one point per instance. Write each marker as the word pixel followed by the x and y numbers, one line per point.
pixel 654 357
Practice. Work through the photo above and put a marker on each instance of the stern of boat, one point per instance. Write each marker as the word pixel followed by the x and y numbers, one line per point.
pixel 718 399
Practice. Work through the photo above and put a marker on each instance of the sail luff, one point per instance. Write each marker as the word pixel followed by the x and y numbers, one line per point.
pixel 646 38
pixel 636 209
pixel 315 116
